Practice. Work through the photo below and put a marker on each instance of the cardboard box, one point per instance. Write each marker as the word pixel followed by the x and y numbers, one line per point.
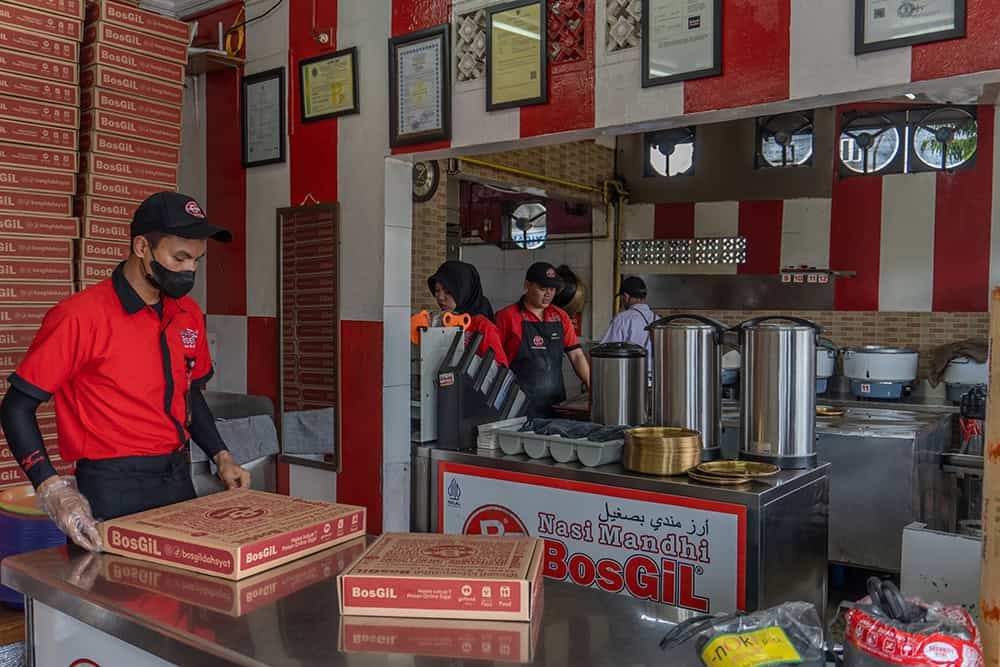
pixel 73 9
pixel 106 100
pixel 107 209
pixel 111 144
pixel 425 575
pixel 39 90
pixel 12 475
pixel 23 155
pixel 130 128
pixel 17 338
pixel 31 270
pixel 43 22
pixel 22 316
pixel 103 251
pixel 19 224
pixel 135 170
pixel 113 56
pixel 36 202
pixel 108 230
pixel 81 286
pixel 37 135
pixel 32 112
pixel 233 534
pixel 41 248
pixel 233 598
pixel 41 67
pixel 103 32
pixel 120 81
pixel 113 187
pixel 137 19
pixel 94 271
pixel 32 180
pixel 37 43
pixel 35 293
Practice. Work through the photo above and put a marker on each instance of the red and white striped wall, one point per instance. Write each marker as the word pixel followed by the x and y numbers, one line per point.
pixel 918 242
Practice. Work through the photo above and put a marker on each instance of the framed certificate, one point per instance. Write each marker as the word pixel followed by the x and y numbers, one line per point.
pixel 517 54
pixel 328 85
pixel 420 87
pixel 681 40
pixel 263 104
pixel 887 24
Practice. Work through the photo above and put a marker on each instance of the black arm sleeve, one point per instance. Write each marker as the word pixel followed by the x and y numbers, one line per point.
pixel 203 428
pixel 20 427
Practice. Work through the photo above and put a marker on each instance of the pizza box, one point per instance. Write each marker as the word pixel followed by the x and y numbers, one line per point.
pixel 114 187
pixel 37 43
pixel 36 202
pixel 108 230
pixel 108 209
pixel 8 363
pixel 137 19
pixel 23 110
pixel 136 170
pixel 24 155
pixel 73 9
pixel 233 534
pixel 37 135
pixel 39 90
pixel 43 22
pixel 110 144
pixel 30 270
pixel 94 271
pixel 12 475
pixel 16 338
pixel 106 100
pixel 425 575
pixel 105 32
pixel 33 180
pixel 137 63
pixel 19 224
pixel 120 81
pixel 40 248
pixel 40 293
pixel 103 251
pixel 126 126
pixel 40 67
pixel 232 598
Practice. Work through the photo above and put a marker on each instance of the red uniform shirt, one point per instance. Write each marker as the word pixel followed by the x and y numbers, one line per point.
pixel 491 338
pixel 509 323
pixel 119 373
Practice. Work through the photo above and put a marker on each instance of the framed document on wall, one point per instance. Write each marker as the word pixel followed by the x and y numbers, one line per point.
pixel 328 85
pixel 681 40
pixel 420 87
pixel 263 105
pixel 888 24
pixel 517 54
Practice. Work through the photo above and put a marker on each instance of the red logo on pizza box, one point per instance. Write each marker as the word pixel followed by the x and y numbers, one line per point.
pixel 237 513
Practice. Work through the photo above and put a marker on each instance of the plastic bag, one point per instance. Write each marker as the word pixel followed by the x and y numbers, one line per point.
pixel 789 634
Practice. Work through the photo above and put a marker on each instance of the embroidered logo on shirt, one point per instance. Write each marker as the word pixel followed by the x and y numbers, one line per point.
pixel 538 342
pixel 189 337
pixel 31 460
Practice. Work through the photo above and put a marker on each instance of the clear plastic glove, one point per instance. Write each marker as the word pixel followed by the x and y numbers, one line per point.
pixel 70 511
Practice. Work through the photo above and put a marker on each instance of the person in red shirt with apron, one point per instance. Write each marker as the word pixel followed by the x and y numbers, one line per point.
pixel 535 334
pixel 457 289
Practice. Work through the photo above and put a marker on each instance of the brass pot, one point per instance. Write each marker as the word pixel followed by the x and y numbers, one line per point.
pixel 659 450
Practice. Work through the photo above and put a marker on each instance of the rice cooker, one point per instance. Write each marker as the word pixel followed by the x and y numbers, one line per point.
pixel 826 362
pixel 880 372
pixel 962 374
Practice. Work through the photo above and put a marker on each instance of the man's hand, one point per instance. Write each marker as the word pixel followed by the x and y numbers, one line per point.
pixel 70 511
pixel 231 474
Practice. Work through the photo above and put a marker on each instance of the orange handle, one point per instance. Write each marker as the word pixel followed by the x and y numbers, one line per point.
pixel 418 321
pixel 453 320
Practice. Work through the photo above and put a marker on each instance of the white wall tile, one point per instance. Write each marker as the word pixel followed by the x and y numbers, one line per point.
pixel 231 353
pixel 396 497
pixel 397 266
pixel 906 265
pixel 805 233
pixel 398 202
pixel 396 424
pixel 312 483
pixel 396 343
pixel 721 218
pixel 639 221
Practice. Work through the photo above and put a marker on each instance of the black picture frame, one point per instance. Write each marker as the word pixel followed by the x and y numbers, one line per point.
pixel 862 47
pixel 543 67
pixel 443 34
pixel 278 74
pixel 303 64
pixel 716 69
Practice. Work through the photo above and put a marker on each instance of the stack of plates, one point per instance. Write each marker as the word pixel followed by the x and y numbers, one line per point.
pixel 728 473
pixel 656 450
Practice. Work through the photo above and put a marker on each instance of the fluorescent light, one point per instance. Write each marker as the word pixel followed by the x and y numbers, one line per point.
pixel 517 31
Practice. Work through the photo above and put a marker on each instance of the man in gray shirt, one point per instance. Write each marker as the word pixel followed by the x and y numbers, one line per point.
pixel 629 325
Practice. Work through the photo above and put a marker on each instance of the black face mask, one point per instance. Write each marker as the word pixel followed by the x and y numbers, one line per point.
pixel 174 284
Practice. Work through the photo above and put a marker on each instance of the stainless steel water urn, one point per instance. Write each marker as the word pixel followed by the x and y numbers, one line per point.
pixel 687 377
pixel 778 391
pixel 618 384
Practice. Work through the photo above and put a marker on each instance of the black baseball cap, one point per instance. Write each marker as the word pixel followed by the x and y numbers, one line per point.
pixel 543 274
pixel 177 215
pixel 633 286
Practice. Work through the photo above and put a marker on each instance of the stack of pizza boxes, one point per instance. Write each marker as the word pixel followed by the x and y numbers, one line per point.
pixel 132 81
pixel 39 123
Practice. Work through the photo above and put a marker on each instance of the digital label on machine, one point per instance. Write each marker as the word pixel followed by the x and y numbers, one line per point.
pixel 685 552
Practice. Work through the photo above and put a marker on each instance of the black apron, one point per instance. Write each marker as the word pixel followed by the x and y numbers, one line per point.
pixel 120 486
pixel 538 366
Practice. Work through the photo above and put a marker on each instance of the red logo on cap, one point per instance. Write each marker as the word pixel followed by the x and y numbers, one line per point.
pixel 193 209
pixel 551 273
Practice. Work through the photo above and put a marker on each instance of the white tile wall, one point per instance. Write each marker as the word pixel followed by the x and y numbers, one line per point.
pixel 231 353
pixel 312 483
pixel 906 264
pixel 805 233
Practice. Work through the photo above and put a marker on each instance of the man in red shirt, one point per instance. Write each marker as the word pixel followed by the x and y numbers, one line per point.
pixel 126 362
pixel 535 335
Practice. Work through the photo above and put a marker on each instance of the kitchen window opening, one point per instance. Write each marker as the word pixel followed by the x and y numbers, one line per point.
pixel 670 152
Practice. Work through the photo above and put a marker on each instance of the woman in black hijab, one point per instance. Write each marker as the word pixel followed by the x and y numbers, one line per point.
pixel 456 288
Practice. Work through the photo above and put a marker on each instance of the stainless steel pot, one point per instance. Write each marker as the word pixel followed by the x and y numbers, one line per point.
pixel 778 382
pixel 618 384
pixel 687 375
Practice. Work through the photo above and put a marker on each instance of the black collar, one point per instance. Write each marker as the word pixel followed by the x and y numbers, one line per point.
pixel 131 301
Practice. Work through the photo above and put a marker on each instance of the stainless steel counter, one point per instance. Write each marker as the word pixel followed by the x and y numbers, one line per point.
pixel 579 626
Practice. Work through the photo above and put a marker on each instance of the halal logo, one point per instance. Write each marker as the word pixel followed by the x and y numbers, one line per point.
pixel 237 513
pixel 192 209
pixel 454 491
pixel 189 337
pixel 448 551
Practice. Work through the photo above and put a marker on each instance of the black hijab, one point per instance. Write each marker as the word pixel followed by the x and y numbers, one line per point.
pixel 462 282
